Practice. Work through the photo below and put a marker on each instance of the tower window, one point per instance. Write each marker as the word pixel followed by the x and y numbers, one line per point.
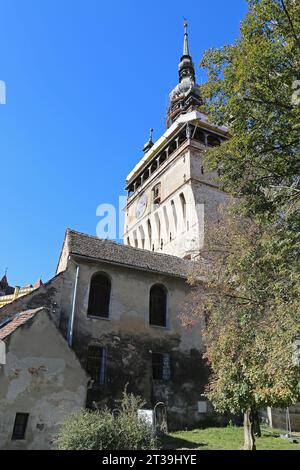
pixel 158 306
pixel 157 194
pixel 183 207
pixel 136 243
pixel 20 426
pixel 149 232
pixel 142 236
pixel 99 297
pixel 213 140
pixel 174 215
pixel 153 167
pixel 158 228
pixel 161 369
pixel 166 218
pixel 96 364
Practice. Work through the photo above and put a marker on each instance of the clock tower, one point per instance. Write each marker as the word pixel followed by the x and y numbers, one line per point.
pixel 171 199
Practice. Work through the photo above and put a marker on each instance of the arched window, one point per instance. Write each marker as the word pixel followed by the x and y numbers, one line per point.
pixel 142 236
pixel 174 215
pixel 156 192
pixel 158 306
pixel 149 233
pixel 166 220
pixel 136 243
pixel 158 229
pixel 99 296
pixel 183 208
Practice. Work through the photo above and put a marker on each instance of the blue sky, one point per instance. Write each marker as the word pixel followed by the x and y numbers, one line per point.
pixel 85 82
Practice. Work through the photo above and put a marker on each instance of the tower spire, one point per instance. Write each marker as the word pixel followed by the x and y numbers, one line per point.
pixel 186 94
pixel 186 38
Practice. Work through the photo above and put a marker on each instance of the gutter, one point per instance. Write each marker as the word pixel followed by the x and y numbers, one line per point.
pixel 72 318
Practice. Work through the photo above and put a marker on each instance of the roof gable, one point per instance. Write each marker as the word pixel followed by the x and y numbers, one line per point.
pixel 11 323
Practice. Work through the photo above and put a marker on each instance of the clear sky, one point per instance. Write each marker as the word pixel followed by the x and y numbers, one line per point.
pixel 85 80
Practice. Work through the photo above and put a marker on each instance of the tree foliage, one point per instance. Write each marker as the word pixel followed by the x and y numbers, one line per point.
pixel 251 303
pixel 252 88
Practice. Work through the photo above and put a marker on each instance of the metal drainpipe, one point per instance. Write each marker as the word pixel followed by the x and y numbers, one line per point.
pixel 71 326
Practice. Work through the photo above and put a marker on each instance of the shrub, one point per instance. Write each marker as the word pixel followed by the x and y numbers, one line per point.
pixel 107 430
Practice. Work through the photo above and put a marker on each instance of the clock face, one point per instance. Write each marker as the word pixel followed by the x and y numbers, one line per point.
pixel 141 206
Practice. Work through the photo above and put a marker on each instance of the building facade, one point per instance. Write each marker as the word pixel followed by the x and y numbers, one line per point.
pixel 41 381
pixel 9 294
pixel 172 200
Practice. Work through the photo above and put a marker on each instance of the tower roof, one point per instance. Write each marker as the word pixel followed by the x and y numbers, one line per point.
pixel 4 282
pixel 185 96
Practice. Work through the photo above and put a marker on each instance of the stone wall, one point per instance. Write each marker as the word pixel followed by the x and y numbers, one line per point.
pixel 130 340
pixel 42 377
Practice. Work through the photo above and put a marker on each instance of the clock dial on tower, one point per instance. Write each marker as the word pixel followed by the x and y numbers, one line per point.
pixel 141 206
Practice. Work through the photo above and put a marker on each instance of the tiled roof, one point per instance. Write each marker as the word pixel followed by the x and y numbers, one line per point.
pixel 11 323
pixel 112 252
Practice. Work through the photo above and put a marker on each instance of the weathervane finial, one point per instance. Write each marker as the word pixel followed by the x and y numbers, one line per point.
pixel 185 41
pixel 151 133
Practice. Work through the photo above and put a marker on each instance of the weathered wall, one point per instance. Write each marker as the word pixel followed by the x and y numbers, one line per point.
pixel 42 377
pixel 49 295
pixel 276 417
pixel 130 339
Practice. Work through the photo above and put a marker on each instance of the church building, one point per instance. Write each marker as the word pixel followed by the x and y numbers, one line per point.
pixel 118 307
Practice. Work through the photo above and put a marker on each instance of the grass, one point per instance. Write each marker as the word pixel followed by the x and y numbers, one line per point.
pixel 229 438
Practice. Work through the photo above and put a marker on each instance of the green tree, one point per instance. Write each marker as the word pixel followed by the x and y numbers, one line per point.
pixel 252 88
pixel 251 300
pixel 250 311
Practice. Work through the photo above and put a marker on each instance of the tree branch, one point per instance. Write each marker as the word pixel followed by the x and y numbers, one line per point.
pixel 271 103
pixel 290 20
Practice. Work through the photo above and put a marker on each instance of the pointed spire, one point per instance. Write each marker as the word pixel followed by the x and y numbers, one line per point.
pixel 148 144
pixel 185 95
pixel 186 39
pixel 4 281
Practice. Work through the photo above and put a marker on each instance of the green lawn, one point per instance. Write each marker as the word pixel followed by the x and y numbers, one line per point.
pixel 230 438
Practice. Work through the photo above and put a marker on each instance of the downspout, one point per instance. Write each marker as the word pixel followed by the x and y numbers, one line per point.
pixel 71 324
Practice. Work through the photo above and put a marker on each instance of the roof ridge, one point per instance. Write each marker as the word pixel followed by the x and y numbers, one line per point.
pixel 133 248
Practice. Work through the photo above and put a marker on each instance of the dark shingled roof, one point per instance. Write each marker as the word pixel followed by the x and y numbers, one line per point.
pixel 112 252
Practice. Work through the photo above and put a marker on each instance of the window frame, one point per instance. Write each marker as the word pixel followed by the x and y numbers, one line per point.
pixel 17 436
pixel 93 315
pixel 102 374
pixel 156 198
pixel 162 376
pixel 150 315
